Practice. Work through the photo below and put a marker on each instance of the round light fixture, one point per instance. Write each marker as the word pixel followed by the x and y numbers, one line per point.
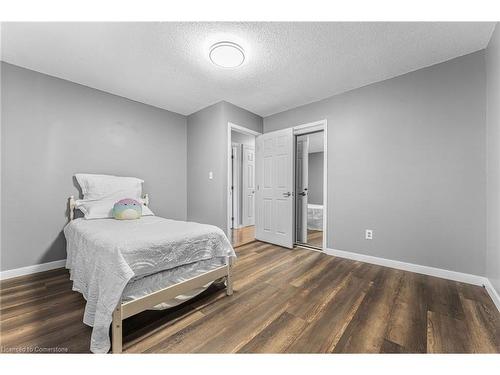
pixel 227 54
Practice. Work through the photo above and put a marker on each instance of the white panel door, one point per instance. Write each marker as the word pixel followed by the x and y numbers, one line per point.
pixel 274 180
pixel 302 186
pixel 248 189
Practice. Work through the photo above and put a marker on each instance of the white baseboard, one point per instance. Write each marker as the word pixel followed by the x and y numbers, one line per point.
pixel 493 293
pixel 8 274
pixel 426 270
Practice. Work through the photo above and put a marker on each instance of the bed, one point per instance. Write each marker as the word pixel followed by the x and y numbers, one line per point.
pixel 124 267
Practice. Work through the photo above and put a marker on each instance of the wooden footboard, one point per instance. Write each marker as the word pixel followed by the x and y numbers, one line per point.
pixel 127 309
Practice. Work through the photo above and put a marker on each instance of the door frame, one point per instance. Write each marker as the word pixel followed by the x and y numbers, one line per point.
pixel 297 177
pixel 235 182
pixel 305 129
pixel 240 129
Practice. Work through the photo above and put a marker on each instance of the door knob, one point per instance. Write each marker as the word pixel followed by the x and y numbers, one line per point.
pixel 287 194
pixel 303 193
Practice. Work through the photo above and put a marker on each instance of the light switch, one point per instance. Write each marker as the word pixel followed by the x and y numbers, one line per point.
pixel 210 175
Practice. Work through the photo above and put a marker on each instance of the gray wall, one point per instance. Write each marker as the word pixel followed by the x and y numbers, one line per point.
pixel 406 158
pixel 52 129
pixel 207 151
pixel 493 159
pixel 315 183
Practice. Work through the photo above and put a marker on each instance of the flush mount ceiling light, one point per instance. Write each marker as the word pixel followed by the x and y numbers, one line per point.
pixel 227 54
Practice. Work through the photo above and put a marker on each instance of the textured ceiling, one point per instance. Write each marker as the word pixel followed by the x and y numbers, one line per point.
pixel 287 64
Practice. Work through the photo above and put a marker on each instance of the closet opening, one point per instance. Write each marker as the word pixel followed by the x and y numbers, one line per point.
pixel 310 189
pixel 241 183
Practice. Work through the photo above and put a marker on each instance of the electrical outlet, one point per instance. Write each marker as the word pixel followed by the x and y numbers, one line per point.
pixel 368 234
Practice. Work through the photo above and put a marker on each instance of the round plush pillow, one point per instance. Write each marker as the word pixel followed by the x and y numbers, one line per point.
pixel 127 209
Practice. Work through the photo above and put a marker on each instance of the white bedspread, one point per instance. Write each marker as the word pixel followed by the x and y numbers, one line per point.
pixel 105 254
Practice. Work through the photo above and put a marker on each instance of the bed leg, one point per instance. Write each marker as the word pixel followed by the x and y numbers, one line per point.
pixel 116 330
pixel 229 277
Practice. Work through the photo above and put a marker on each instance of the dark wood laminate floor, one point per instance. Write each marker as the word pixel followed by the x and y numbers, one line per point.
pixel 284 301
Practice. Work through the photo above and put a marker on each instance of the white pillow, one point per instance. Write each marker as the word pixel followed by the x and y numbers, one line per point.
pixel 99 186
pixel 103 208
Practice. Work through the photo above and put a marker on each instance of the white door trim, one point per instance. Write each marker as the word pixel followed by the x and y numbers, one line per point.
pixel 239 129
pixel 308 128
pixel 301 182
pixel 236 183
pixel 242 129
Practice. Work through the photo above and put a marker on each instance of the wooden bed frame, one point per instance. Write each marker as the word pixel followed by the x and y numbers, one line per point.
pixel 125 310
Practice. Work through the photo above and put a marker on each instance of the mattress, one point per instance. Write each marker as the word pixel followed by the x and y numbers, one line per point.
pixel 104 255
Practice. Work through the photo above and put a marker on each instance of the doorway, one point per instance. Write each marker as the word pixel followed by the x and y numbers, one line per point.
pixel 283 201
pixel 309 186
pixel 241 182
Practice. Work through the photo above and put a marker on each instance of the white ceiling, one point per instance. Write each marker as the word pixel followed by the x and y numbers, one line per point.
pixel 287 64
